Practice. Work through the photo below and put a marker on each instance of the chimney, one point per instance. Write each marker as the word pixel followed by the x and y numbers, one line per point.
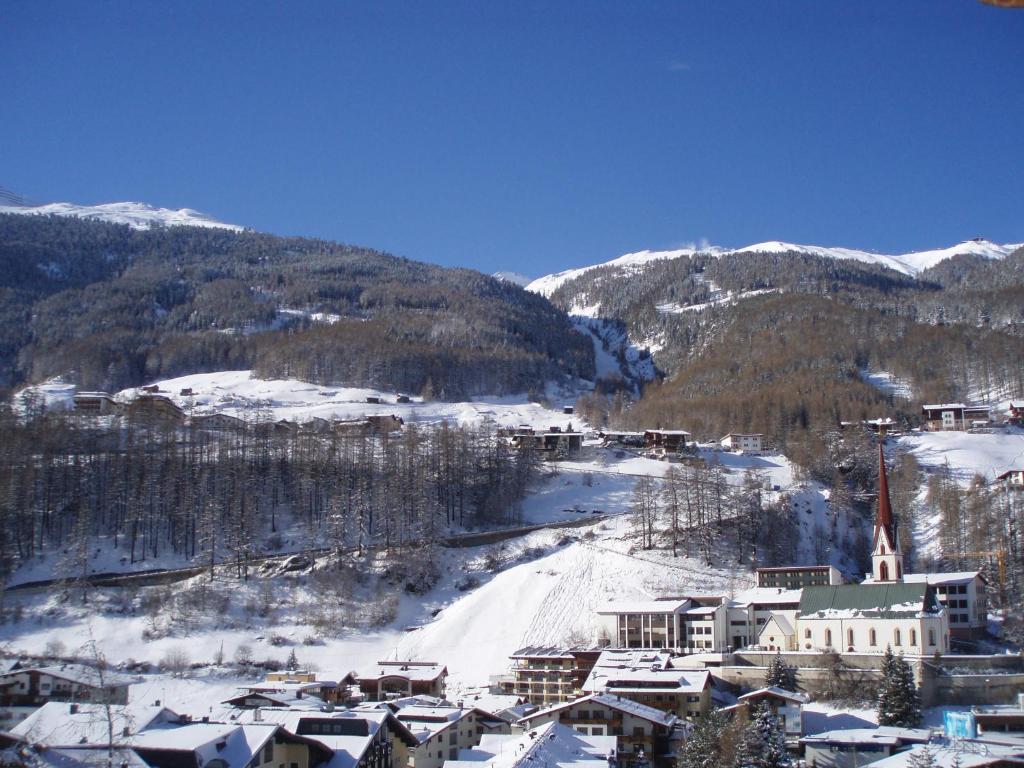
pixel 156 703
pixel 73 709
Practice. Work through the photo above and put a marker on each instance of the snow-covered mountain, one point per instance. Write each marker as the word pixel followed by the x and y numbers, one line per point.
pixel 907 263
pixel 135 215
pixel 516 278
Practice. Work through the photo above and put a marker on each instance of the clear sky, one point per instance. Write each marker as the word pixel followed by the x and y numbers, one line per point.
pixel 528 136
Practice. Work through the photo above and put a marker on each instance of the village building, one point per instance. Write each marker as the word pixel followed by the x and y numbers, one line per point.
pixel 683 624
pixel 798 577
pixel 955 416
pixel 855 747
pixel 639 730
pixel 662 442
pixel 97 403
pixel 555 443
pixel 750 611
pixel 868 618
pixel 220 422
pixel 648 678
pixel 626 439
pixel 392 679
pixel 551 744
pixel 385 424
pixel 545 675
pixel 357 738
pixel 64 724
pixel 227 745
pixel 155 407
pixel 881 426
pixel 785 705
pixel 1012 480
pixel 1017 412
pixel 1004 718
pixel 747 443
pixel 35 686
pixel 442 731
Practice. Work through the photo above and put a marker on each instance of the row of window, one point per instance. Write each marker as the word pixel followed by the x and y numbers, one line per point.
pixel 897 637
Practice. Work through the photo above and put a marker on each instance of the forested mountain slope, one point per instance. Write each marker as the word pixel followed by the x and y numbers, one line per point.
pixel 110 306
pixel 779 342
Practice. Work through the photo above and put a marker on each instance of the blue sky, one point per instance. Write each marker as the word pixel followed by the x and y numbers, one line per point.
pixel 529 136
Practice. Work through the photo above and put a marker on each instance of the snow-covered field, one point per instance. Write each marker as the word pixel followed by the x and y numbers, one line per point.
pixel 967 454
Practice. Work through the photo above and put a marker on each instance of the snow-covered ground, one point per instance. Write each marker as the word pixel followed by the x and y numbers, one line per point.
pixel 135 215
pixel 889 383
pixel 239 393
pixel 967 454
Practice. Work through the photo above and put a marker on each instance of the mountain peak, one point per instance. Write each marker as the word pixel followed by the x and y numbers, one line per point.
pixel 135 215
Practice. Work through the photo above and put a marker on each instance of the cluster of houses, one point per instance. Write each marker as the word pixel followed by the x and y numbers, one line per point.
pixel 151 404
pixel 557 443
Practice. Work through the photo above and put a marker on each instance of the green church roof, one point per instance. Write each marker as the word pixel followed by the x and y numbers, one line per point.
pixel 883 601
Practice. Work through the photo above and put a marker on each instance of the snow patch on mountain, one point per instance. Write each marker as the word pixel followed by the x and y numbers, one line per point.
pixel 135 215
pixel 548 284
pixel 889 383
pixel 516 278
pixel 615 355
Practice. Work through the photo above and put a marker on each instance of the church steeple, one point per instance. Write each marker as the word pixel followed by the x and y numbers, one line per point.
pixel 886 554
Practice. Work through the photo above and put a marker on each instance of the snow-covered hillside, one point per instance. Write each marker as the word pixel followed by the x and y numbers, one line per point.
pixel 135 215
pixel 908 263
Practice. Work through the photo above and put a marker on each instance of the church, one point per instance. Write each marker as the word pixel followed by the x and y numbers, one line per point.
pixel 890 608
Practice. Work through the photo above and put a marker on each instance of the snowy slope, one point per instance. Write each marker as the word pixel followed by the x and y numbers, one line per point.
pixel 135 215
pixel 239 393
pixel 548 284
pixel 908 263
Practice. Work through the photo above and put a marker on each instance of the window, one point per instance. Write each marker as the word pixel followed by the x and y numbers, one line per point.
pixel 849 637
pixel 883 570
pixel 638 731
pixel 807 634
pixel 897 638
pixel 913 637
pixel 872 637
pixel 931 637
pixel 268 752
pixel 828 638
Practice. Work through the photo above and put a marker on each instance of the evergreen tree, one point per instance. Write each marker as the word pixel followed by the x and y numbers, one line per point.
pixel 922 758
pixel 899 702
pixel 780 674
pixel 292 663
pixel 703 747
pixel 763 745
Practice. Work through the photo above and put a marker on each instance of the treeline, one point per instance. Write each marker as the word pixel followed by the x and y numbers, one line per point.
pixel 113 307
pixel 142 491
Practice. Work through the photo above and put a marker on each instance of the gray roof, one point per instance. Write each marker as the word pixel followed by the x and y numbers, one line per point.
pixel 883 601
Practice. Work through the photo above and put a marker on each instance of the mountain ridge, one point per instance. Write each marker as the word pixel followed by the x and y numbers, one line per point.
pixel 138 216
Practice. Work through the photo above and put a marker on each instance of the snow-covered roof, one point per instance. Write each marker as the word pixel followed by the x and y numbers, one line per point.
pixel 966 754
pixel 80 674
pixel 766 595
pixel 645 678
pixel 411 670
pixel 80 757
pixel 668 432
pixel 542 651
pixel 644 606
pixel 617 703
pixel 701 610
pixel 234 744
pixel 939 579
pixel 887 735
pixel 550 744
pixel 943 406
pixel 424 722
pixel 780 693
pixel 55 725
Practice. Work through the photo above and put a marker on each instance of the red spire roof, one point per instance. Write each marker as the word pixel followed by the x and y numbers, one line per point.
pixel 884 517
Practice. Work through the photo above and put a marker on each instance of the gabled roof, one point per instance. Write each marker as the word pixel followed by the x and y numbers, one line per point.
pixel 80 674
pixel 55 725
pixel 781 622
pixel 617 703
pixel 644 606
pixel 549 744
pixel 883 600
pixel 778 693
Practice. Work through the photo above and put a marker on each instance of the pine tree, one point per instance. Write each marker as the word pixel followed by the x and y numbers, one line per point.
pixel 780 674
pixel 921 758
pixel 292 663
pixel 702 748
pixel 763 745
pixel 899 702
